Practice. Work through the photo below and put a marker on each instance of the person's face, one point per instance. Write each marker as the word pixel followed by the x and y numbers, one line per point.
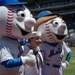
pixel 35 41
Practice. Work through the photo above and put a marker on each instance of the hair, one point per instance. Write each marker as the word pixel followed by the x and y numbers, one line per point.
pixel 29 40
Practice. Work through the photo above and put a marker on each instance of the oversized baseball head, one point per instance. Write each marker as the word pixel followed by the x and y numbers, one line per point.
pixel 15 19
pixel 52 27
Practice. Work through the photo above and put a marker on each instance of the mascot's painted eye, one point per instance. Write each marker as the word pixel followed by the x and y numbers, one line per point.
pixel 55 23
pixel 20 13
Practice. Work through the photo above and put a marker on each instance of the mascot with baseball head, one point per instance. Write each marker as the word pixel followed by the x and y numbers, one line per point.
pixel 54 30
pixel 16 22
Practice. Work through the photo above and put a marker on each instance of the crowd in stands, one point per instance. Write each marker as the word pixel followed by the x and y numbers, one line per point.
pixel 49 3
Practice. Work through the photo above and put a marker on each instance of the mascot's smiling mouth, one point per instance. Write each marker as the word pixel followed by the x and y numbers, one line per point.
pixel 60 37
pixel 22 31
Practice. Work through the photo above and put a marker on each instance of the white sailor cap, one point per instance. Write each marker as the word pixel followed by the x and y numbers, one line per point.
pixel 35 33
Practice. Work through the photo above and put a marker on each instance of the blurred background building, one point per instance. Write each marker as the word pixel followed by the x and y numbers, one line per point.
pixel 65 8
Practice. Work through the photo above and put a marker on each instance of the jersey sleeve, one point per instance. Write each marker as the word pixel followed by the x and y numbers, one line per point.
pixel 66 48
pixel 67 51
pixel 12 63
pixel 5 54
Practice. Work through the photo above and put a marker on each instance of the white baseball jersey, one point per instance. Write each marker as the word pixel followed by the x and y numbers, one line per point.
pixel 8 50
pixel 53 58
pixel 34 70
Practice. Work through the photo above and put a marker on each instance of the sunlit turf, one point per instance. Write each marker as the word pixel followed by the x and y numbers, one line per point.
pixel 70 70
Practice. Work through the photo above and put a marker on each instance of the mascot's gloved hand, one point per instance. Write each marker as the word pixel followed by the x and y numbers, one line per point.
pixel 64 64
pixel 29 59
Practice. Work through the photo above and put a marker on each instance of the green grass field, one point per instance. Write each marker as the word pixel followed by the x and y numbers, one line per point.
pixel 70 70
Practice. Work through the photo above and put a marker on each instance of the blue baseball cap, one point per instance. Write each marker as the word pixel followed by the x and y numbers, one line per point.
pixel 45 13
pixel 11 2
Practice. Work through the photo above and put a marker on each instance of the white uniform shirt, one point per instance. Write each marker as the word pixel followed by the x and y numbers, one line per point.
pixel 28 70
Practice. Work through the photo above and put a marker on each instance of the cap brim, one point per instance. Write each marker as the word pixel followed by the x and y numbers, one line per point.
pixel 18 3
pixel 49 15
pixel 53 14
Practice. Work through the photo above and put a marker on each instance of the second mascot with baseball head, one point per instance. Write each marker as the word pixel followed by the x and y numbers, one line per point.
pixel 54 31
pixel 16 22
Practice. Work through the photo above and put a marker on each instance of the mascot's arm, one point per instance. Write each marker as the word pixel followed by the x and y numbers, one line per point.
pixel 66 63
pixel 67 51
pixel 29 59
pixel 68 56
pixel 12 63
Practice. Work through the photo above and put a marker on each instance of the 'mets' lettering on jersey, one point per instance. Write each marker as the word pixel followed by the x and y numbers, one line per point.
pixel 53 52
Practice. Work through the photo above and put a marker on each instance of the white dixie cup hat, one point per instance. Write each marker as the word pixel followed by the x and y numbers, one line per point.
pixel 35 33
